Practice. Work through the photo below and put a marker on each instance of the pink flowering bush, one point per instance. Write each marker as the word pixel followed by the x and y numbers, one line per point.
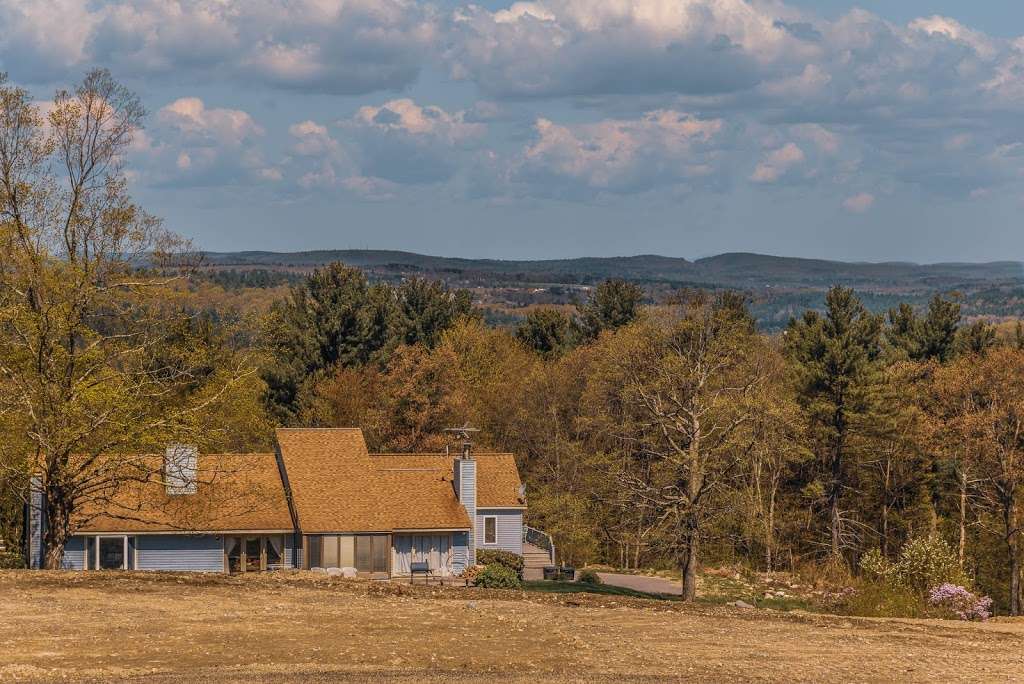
pixel 961 602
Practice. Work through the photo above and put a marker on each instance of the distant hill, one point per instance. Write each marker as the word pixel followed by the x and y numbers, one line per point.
pixel 733 270
pixel 778 288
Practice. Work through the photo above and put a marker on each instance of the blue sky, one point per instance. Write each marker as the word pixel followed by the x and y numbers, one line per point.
pixel 553 128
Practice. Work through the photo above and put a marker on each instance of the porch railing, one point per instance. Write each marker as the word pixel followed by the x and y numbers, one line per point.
pixel 540 539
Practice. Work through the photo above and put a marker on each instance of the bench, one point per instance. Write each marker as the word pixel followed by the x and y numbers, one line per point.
pixel 421 568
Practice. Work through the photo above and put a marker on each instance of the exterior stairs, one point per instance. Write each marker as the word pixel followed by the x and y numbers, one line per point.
pixel 534 561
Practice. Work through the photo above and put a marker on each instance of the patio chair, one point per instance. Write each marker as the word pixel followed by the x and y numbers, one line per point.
pixel 420 568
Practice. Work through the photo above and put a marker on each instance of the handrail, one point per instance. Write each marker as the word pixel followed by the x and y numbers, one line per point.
pixel 540 539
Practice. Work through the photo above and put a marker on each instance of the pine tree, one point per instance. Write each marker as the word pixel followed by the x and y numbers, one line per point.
pixel 839 380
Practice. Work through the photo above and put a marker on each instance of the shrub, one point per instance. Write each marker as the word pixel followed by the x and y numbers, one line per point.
pixel 923 563
pixel 926 562
pixel 497 576
pixel 512 561
pixel 589 576
pixel 957 600
pixel 11 560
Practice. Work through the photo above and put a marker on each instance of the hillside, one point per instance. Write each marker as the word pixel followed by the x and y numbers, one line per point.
pixel 778 287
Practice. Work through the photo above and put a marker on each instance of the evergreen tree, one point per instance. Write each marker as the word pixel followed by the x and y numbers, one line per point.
pixel 613 304
pixel 334 317
pixel 836 357
pixel 977 338
pixel 939 329
pixel 925 338
pixel 424 309
pixel 546 331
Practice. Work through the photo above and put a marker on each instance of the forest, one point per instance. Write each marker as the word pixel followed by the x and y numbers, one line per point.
pixel 650 433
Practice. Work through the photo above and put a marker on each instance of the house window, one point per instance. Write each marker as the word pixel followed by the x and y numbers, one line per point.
pixel 490 530
pixel 112 553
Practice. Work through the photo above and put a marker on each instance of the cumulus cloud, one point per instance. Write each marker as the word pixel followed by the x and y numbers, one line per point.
pixel 196 145
pixel 777 163
pixel 859 203
pixel 334 46
pixel 405 142
pixel 932 103
pixel 382 147
pixel 569 47
pixel 619 156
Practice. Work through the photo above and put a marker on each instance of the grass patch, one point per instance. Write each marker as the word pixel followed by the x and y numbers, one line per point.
pixel 558 587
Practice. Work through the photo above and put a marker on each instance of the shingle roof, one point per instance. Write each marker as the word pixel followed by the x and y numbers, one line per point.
pixel 497 476
pixel 337 486
pixel 235 492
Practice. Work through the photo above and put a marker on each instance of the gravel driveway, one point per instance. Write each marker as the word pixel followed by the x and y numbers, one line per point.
pixel 653 585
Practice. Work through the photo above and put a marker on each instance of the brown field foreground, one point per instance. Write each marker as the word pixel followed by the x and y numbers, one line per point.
pixel 306 627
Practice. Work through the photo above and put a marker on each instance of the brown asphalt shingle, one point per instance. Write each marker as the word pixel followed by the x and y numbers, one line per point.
pixel 497 476
pixel 235 492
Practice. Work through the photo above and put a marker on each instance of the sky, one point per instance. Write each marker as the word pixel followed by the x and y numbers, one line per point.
pixel 878 130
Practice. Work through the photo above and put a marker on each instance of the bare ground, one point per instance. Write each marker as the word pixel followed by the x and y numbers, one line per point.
pixel 303 627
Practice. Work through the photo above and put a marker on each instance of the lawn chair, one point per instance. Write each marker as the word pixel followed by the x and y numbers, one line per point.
pixel 420 568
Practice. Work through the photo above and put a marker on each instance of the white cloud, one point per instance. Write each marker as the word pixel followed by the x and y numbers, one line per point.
pixel 777 163
pixel 859 203
pixel 196 145
pixel 404 116
pixel 574 47
pixel 621 156
pixel 405 142
pixel 191 118
pixel 335 46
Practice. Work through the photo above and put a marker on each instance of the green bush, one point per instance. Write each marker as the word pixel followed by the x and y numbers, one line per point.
pixel 497 576
pixel 11 560
pixel 512 561
pixel 589 576
pixel 923 563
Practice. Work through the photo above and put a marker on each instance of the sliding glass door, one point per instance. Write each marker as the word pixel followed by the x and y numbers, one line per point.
pixel 254 554
pixel 373 552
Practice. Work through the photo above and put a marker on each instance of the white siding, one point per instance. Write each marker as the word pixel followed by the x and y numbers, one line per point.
pixel 509 527
pixel 201 553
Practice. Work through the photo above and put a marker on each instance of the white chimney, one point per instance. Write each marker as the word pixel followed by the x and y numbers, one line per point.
pixel 181 466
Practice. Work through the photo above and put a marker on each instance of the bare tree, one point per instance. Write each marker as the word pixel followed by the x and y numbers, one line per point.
pixel 96 359
pixel 689 383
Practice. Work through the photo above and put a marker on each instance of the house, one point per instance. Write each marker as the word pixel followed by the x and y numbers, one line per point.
pixel 321 500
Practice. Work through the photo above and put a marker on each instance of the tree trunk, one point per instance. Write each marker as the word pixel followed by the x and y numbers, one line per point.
pixel 835 490
pixel 963 517
pixel 769 545
pixel 690 559
pixel 694 485
pixel 56 534
pixel 1014 557
pixel 885 507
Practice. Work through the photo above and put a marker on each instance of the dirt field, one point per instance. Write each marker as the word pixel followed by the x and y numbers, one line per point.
pixel 303 627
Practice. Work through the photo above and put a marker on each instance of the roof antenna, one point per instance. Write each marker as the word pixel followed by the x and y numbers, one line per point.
pixel 465 433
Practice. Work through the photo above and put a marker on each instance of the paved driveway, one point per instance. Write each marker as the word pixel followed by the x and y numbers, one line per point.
pixel 653 585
